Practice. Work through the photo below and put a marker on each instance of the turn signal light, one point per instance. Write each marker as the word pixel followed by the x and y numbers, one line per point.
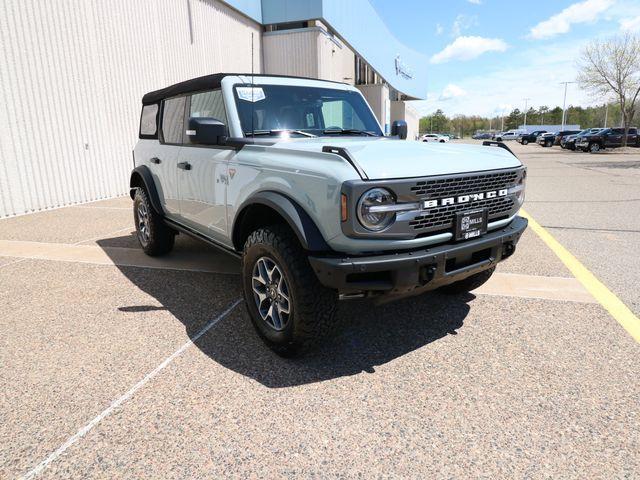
pixel 343 208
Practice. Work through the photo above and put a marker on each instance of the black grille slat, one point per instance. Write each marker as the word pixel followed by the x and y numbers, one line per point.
pixel 446 187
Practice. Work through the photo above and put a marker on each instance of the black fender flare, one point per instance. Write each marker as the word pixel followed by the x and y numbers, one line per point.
pixel 296 217
pixel 143 172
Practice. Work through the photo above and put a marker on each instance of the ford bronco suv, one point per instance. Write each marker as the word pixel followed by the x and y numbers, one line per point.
pixel 295 177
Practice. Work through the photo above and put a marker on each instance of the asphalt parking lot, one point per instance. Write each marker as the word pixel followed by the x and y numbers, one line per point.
pixel 118 365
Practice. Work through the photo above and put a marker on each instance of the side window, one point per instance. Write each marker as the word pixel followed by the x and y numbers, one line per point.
pixel 208 104
pixel 172 120
pixel 617 131
pixel 149 121
pixel 633 131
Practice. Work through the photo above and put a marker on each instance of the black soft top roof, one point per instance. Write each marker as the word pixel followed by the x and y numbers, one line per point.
pixel 206 82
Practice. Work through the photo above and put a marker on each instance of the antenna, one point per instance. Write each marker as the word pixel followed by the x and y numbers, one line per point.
pixel 253 100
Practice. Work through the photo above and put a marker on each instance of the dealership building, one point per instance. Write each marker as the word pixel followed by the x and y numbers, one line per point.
pixel 73 74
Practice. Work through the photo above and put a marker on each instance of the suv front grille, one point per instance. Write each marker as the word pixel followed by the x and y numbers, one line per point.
pixel 448 187
pixel 442 218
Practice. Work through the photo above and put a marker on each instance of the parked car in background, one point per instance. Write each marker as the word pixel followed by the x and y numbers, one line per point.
pixel 525 138
pixel 564 133
pixel 546 139
pixel 482 136
pixel 434 137
pixel 569 141
pixel 508 135
pixel 607 138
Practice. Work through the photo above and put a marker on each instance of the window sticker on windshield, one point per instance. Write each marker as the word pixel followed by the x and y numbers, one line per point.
pixel 250 94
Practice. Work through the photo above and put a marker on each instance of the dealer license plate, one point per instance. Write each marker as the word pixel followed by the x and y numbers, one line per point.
pixel 471 224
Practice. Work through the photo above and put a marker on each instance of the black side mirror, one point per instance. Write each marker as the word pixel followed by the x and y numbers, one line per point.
pixel 206 131
pixel 399 129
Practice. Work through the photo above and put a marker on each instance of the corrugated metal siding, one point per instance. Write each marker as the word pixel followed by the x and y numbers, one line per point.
pixel 72 75
pixel 292 53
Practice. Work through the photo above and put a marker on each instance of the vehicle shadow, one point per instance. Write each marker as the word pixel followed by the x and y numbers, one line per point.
pixel 367 335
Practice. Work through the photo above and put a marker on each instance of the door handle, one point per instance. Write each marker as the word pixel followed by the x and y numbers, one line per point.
pixel 155 160
pixel 184 166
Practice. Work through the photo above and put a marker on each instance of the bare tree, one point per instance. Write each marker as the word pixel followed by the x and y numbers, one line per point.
pixel 612 66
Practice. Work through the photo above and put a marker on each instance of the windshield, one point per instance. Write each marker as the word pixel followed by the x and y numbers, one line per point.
pixel 303 111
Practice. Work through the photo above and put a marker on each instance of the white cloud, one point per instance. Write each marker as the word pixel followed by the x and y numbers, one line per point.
pixel 439 29
pixel 630 24
pixel 581 12
pixel 476 2
pixel 461 23
pixel 452 91
pixel 468 48
pixel 504 87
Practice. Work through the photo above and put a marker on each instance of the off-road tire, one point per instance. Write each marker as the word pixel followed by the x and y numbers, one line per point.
pixel 525 141
pixel 159 238
pixel 312 306
pixel 469 283
pixel 594 147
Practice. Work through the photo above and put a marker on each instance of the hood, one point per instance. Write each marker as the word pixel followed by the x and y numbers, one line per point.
pixel 385 158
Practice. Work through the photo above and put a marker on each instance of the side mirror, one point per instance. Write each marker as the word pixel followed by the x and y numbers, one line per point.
pixel 399 129
pixel 206 131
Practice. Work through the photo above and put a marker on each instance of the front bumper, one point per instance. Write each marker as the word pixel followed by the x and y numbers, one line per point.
pixel 418 270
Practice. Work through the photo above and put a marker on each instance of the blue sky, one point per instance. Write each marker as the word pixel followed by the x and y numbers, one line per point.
pixel 486 56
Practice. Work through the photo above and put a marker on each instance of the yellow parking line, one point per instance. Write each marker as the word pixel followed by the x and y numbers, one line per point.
pixel 618 310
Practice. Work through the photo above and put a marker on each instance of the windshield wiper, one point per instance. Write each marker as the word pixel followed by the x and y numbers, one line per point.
pixel 256 133
pixel 349 131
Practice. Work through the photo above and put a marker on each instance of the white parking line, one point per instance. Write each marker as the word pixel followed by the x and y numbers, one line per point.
pixel 116 403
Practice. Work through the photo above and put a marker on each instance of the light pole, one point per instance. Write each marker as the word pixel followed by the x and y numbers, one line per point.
pixel 606 114
pixel 526 101
pixel 564 102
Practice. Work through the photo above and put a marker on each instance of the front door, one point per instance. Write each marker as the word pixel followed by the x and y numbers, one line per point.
pixel 203 173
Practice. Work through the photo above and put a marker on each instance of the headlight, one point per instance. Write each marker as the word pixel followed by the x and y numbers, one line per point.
pixel 375 209
pixel 519 189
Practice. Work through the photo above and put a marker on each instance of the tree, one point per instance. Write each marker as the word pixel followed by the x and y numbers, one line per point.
pixel 613 67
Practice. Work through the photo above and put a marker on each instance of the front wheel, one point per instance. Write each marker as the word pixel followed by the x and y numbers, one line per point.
pixel 594 147
pixel 288 306
pixel 469 283
pixel 547 144
pixel 524 141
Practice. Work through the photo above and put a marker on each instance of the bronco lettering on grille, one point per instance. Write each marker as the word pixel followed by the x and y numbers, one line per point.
pixel 472 197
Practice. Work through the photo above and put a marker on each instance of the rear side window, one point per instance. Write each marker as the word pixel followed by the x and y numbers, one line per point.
pixel 208 104
pixel 149 121
pixel 172 120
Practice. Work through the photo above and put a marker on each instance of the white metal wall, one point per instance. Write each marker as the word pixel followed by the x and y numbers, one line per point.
pixel 72 75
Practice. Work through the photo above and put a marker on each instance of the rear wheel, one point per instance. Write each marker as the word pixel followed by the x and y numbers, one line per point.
pixel 154 236
pixel 469 283
pixel 288 306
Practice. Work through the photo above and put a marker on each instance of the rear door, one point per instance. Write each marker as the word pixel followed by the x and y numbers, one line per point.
pixel 614 138
pixel 203 176
pixel 164 164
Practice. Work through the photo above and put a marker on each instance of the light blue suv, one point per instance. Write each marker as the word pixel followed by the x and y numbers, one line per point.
pixel 295 176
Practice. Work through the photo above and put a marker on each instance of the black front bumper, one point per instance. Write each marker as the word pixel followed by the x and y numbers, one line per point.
pixel 418 270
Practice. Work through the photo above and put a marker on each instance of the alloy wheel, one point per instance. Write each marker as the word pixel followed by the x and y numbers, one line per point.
pixel 271 293
pixel 143 222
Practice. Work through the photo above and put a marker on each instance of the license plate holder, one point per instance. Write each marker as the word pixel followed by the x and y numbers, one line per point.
pixel 471 224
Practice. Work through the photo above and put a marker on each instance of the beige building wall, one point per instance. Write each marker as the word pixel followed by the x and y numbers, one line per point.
pixel 401 110
pixel 377 96
pixel 308 52
pixel 73 74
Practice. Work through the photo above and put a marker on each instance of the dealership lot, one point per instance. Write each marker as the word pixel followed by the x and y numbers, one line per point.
pixel 115 364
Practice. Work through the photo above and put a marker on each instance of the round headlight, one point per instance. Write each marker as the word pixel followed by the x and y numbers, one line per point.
pixel 371 211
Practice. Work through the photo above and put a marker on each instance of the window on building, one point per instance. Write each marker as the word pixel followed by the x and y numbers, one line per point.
pixel 149 121
pixel 208 104
pixel 173 119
